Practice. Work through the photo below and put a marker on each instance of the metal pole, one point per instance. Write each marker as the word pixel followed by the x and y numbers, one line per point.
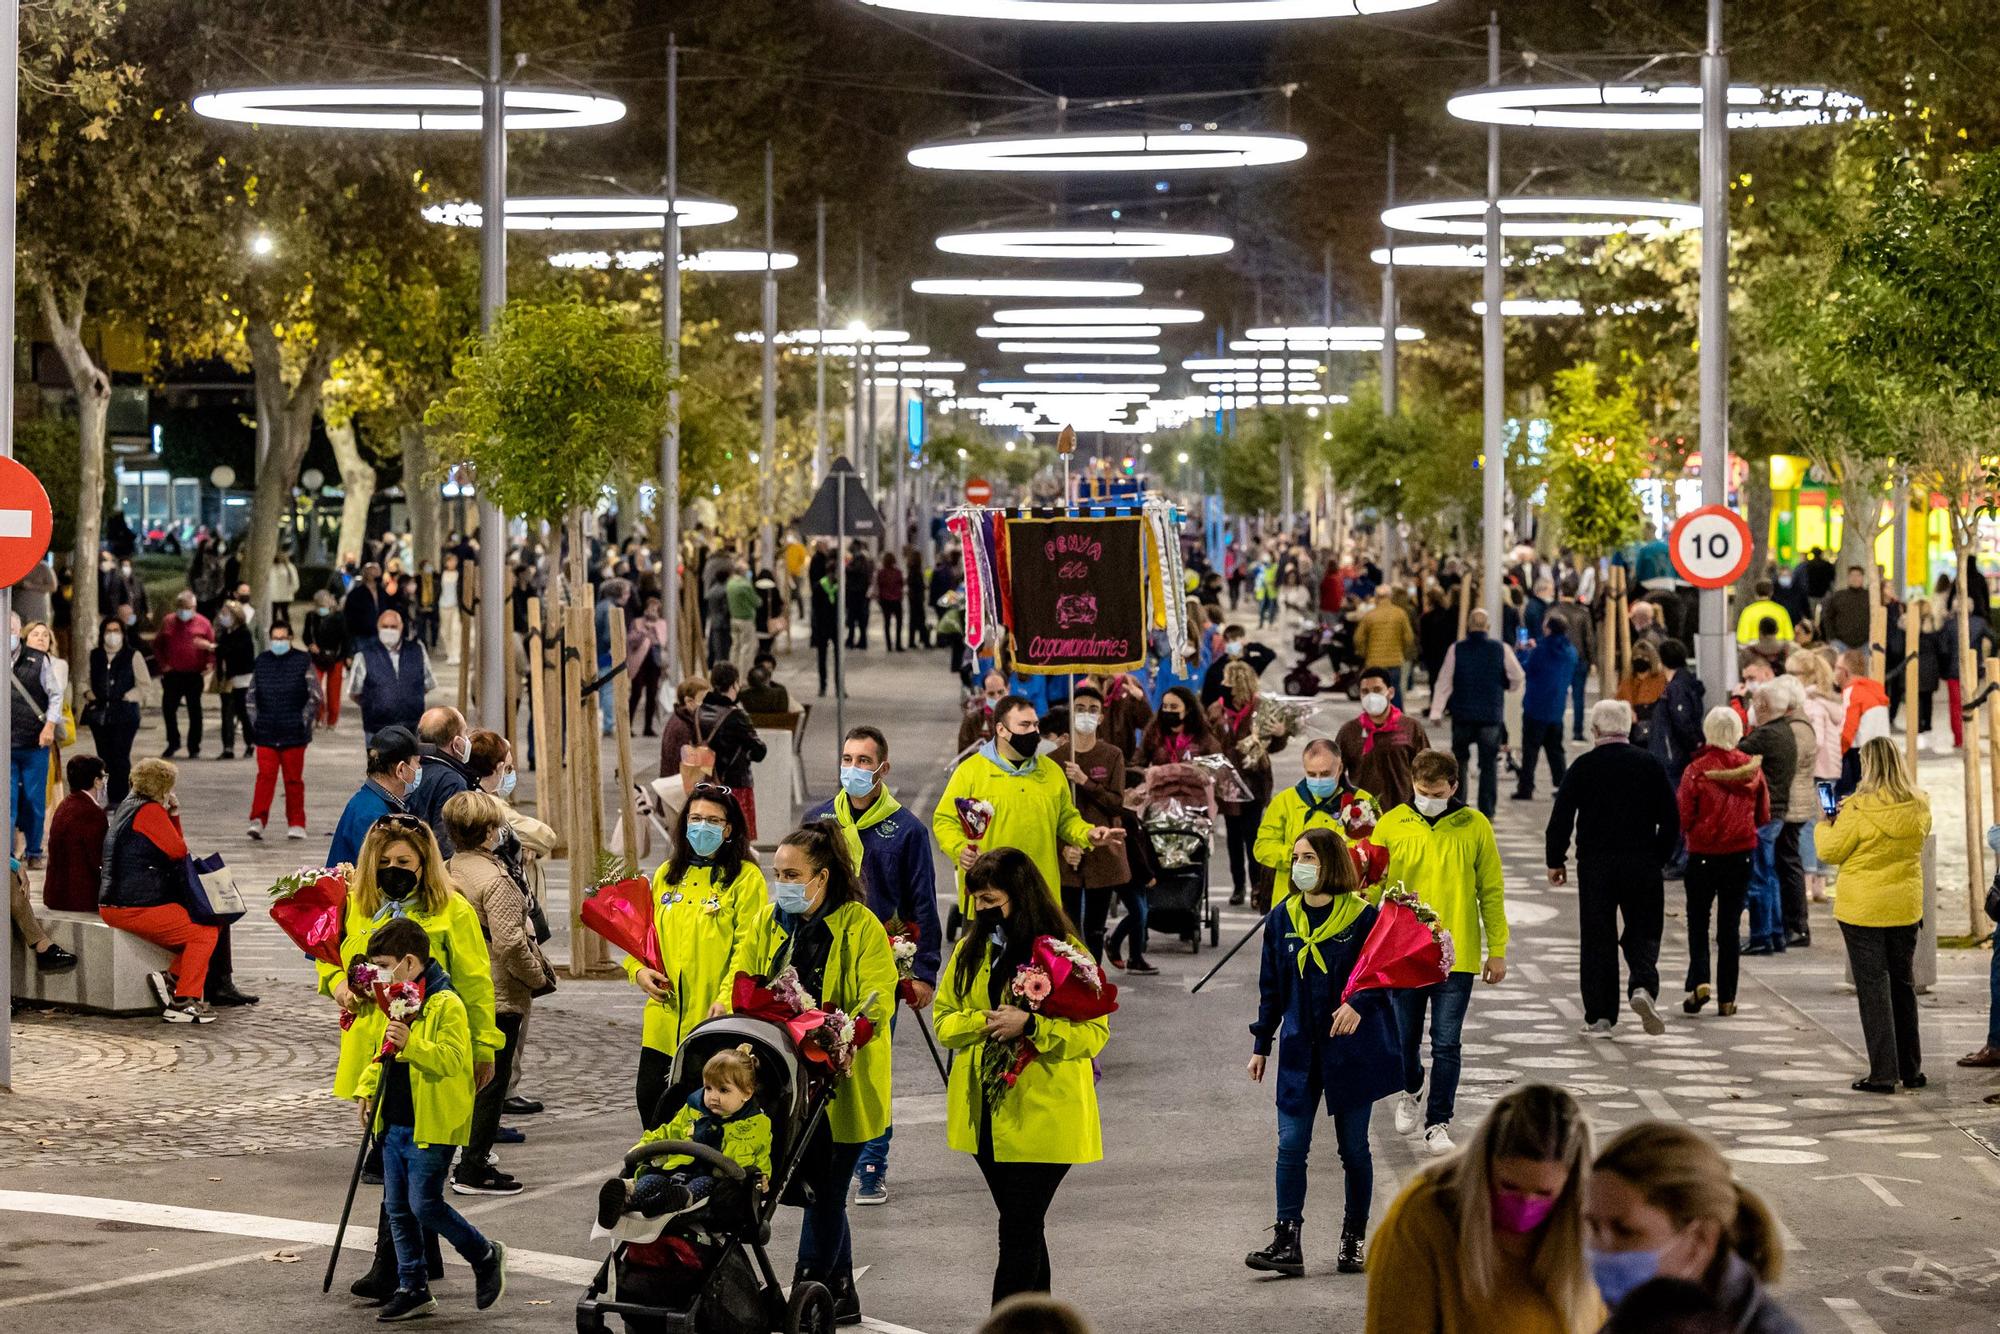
pixel 1714 659
pixel 669 501
pixel 1390 314
pixel 840 480
pixel 1493 508
pixel 10 123
pixel 819 359
pixel 492 296
pixel 769 467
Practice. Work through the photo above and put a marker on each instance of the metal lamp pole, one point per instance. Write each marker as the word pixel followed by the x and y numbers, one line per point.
pixel 1713 657
pixel 819 360
pixel 669 501
pixel 492 296
pixel 10 121
pixel 1493 509
pixel 769 467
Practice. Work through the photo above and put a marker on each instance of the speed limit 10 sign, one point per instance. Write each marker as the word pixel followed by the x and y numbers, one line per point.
pixel 1710 546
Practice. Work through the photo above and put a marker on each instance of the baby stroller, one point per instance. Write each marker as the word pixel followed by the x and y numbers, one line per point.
pixel 1176 814
pixel 708 1271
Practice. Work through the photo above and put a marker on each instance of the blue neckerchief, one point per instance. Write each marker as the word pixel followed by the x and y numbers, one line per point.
pixel 392 908
pixel 991 750
pixel 436 979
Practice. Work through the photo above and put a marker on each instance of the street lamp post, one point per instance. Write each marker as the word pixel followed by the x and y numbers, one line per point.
pixel 819 362
pixel 10 124
pixel 1713 658
pixel 492 296
pixel 1493 508
pixel 668 502
pixel 768 464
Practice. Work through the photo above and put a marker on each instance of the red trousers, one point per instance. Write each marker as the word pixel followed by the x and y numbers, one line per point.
pixel 1954 692
pixel 329 684
pixel 169 925
pixel 292 760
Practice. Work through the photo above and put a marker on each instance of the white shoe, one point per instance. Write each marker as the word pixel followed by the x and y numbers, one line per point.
pixel 1597 1028
pixel 296 831
pixel 1648 1011
pixel 1409 1113
pixel 257 830
pixel 1437 1140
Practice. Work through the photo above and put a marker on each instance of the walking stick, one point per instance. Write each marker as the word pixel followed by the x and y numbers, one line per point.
pixel 931 1042
pixel 1227 957
pixel 354 1180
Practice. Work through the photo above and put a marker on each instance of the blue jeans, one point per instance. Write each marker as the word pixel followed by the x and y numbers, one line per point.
pixel 875 1153
pixel 1395 675
pixel 413 1196
pixel 826 1247
pixel 1295 1137
pixel 1447 1002
pixel 604 700
pixel 1579 681
pixel 1767 914
pixel 29 786
pixel 1993 1010
pixel 1132 924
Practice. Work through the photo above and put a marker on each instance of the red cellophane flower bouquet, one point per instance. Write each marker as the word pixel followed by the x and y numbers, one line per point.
pixel 1059 981
pixel 622 912
pixel 310 905
pixel 824 1034
pixel 403 1002
pixel 903 937
pixel 975 817
pixel 1408 947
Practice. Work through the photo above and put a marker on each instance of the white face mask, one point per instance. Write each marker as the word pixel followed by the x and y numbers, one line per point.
pixel 390 638
pixel 113 643
pixel 1375 705
pixel 1085 723
pixel 1430 807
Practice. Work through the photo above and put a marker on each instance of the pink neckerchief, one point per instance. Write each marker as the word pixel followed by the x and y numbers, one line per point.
pixel 1235 716
pixel 1369 727
pixel 1176 748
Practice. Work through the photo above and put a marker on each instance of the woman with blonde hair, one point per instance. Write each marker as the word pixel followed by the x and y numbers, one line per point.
pixel 1490 1241
pixel 1826 712
pixel 1663 1204
pixel 1877 838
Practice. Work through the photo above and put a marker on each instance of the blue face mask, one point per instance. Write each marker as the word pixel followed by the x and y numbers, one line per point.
pixel 1321 788
pixel 281 647
pixel 507 783
pixel 185 613
pixel 790 897
pixel 855 781
pixel 1619 1273
pixel 704 838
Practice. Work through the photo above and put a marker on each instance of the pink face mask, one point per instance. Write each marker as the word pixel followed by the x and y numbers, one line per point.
pixel 1518 1213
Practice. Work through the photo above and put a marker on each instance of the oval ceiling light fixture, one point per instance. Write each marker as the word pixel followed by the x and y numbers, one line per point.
pixel 1562 217
pixel 1250 363
pixel 1067 387
pixel 1659 106
pixel 1313 335
pixel 1029 288
pixel 1534 308
pixel 588 213
pixel 834 339
pixel 1093 368
pixel 1098 317
pixel 1447 256
pixel 706 261
pixel 1177 150
pixel 1108 243
pixel 1083 349
pixel 1057 331
pixel 446 107
pixel 1150 11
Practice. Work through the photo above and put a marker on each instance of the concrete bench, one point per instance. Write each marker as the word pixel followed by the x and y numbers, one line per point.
pixel 110 972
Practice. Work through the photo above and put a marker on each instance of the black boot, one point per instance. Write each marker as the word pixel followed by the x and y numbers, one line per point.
pixel 1283 1255
pixel 1352 1258
pixel 846 1301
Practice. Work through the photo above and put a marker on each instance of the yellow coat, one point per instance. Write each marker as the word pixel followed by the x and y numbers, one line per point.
pixel 459 946
pixel 1878 844
pixel 1050 1116
pixel 698 925
pixel 439 1055
pixel 1035 812
pixel 1286 817
pixel 859 965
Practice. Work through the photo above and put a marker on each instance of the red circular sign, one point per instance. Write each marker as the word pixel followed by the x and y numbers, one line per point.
pixel 25 522
pixel 1710 546
pixel 978 491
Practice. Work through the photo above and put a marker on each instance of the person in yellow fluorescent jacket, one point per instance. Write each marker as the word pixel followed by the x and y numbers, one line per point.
pixel 1317 801
pixel 819 923
pixel 422 1113
pixel 703 898
pixel 398 873
pixel 1033 808
pixel 1047 1121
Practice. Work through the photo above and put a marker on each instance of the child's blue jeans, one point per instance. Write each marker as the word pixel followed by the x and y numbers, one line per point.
pixel 413 1195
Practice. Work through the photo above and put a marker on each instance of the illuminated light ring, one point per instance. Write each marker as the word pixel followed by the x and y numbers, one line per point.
pixel 1061 331
pixel 1637 106
pixel 1459 256
pixel 1097 316
pixel 705 261
pixel 921 367
pixel 1150 11
pixel 1025 287
pixel 1109 243
pixel 1178 150
pixel 1561 307
pixel 444 107
pixel 1083 349
pixel 1093 368
pixel 592 213
pixel 1250 364
pixel 1102 428
pixel 1562 217
pixel 1298 334
pixel 1031 388
pixel 1272 345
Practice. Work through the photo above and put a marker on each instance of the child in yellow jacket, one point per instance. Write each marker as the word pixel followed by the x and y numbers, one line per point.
pixel 723 1114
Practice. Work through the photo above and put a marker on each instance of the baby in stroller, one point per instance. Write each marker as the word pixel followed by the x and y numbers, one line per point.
pixel 723 1114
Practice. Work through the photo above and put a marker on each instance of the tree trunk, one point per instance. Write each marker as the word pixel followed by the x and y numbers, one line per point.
pixel 1756 499
pixel 420 491
pixel 284 429
pixel 1964 529
pixel 93 406
pixel 1860 490
pixel 357 487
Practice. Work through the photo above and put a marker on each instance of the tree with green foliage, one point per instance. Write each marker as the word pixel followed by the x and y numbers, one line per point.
pixel 1596 450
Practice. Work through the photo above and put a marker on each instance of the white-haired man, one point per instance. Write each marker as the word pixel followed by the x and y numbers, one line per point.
pixel 1618 800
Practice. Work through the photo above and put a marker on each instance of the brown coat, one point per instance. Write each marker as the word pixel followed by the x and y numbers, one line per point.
pixel 1099 801
pixel 518 966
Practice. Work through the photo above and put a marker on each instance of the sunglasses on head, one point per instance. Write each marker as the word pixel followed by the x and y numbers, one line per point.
pixel 396 820
pixel 713 791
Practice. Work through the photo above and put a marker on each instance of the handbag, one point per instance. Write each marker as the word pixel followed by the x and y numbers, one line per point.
pixel 540 921
pixel 698 760
pixel 1993 899
pixel 94 711
pixel 213 899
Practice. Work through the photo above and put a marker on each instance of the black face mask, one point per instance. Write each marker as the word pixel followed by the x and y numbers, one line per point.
pixel 396 882
pixel 1171 722
pixel 989 918
pixel 1023 744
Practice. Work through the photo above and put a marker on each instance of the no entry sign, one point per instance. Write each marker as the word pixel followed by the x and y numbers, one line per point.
pixel 978 491
pixel 25 522
pixel 1710 546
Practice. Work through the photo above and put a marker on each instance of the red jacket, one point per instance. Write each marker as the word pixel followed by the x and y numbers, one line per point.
pixel 1864 696
pixel 76 854
pixel 1723 800
pixel 175 648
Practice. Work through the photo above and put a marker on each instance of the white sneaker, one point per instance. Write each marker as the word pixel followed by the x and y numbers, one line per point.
pixel 1409 1113
pixel 1648 1011
pixel 296 831
pixel 1597 1028
pixel 1437 1140
pixel 257 830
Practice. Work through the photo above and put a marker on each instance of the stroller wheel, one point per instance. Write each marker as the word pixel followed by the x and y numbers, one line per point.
pixel 810 1310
